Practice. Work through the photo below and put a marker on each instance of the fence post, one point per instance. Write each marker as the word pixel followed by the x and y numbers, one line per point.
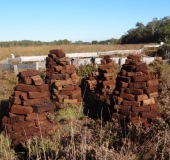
pixel 15 69
pixel 36 65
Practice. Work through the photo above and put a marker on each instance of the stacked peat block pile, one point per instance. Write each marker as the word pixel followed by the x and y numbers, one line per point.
pixel 98 89
pixel 136 92
pixel 62 79
pixel 29 109
pixel 106 78
pixel 102 83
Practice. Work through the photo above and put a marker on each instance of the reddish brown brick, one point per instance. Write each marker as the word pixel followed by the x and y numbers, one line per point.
pixel 125 112
pixel 152 82
pixel 49 69
pixel 134 57
pixel 60 98
pixel 148 101
pixel 105 66
pixel 58 68
pixel 27 80
pixel 153 95
pixel 131 74
pixel 38 94
pixel 123 78
pixel 141 109
pixel 18 109
pixel 26 88
pixel 17 93
pixel 65 92
pixel 15 100
pixel 149 114
pixel 134 114
pixel 122 84
pixel 34 102
pixel 22 125
pixel 135 62
pixel 141 78
pixel 15 119
pixel 42 88
pixel 69 67
pixel 109 82
pixel 154 107
pixel 24 96
pixel 75 94
pixel 60 76
pixel 58 52
pixel 28 73
pixel 29 131
pixel 63 82
pixel 44 107
pixel 68 88
pixel 36 116
pixel 141 68
pixel 141 97
pixel 137 85
pixel 70 101
pixel 151 89
pixel 131 103
pixel 37 80
pixel 134 91
pixel 127 96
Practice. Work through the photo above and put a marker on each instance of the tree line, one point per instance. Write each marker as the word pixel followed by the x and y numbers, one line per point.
pixel 55 42
pixel 155 31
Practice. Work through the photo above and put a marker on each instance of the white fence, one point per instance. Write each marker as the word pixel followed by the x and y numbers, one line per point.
pixel 35 62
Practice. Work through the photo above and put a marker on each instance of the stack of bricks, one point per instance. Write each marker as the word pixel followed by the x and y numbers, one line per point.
pixel 136 92
pixel 29 109
pixel 62 79
pixel 103 82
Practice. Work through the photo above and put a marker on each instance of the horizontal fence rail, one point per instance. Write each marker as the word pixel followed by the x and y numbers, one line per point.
pixel 36 62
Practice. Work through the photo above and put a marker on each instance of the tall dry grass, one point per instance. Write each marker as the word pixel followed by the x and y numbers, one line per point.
pixel 5 52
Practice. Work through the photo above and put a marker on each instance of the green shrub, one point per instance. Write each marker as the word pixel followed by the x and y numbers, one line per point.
pixel 85 70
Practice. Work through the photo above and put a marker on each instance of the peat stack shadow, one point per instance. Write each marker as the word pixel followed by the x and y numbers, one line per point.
pixel 29 109
pixel 62 79
pixel 99 88
pixel 136 92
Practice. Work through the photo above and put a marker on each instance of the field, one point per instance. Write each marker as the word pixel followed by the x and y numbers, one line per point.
pixel 81 137
pixel 5 52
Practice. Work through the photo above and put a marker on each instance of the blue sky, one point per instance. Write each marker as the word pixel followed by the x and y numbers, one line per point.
pixel 86 20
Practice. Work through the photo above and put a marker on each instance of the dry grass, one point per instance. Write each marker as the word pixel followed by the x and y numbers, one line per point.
pixel 79 137
pixel 5 52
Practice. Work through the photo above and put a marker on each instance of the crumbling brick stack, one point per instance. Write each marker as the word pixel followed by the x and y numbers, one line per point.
pixel 98 88
pixel 29 109
pixel 136 92
pixel 103 82
pixel 62 79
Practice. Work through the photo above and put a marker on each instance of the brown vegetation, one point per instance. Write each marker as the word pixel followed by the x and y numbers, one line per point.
pixel 5 52
pixel 79 137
